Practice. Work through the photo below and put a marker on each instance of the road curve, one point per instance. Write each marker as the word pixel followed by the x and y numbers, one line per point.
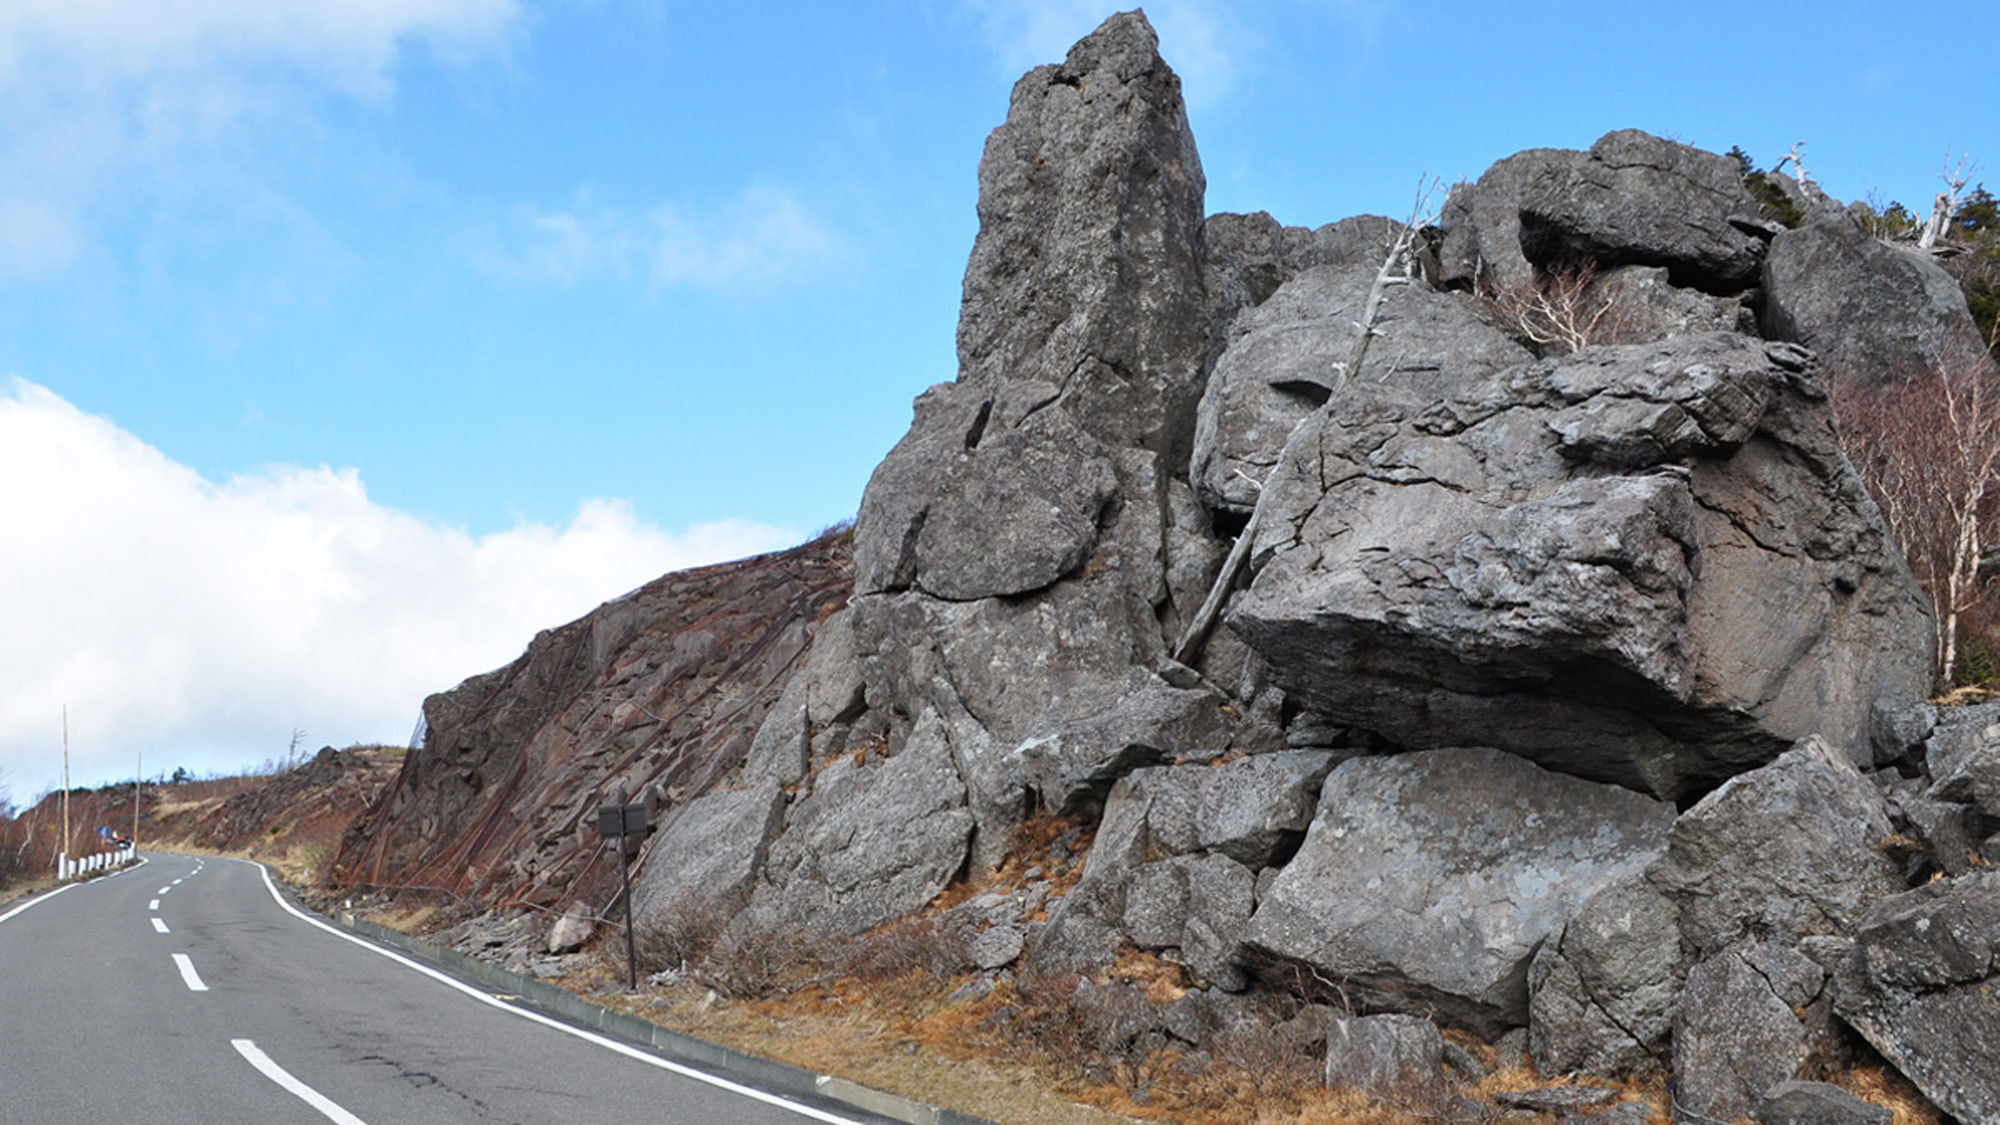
pixel 186 990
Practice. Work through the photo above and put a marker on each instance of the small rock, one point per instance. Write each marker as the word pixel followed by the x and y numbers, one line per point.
pixel 1394 1058
pixel 1817 1103
pixel 1554 1099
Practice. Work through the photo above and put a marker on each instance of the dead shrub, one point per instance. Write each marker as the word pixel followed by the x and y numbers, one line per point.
pixel 931 946
pixel 1558 311
pixel 680 936
pixel 757 962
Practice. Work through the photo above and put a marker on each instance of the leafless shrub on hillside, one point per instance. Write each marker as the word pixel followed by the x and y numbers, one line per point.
pixel 1559 311
pixel 1928 448
pixel 757 962
pixel 1271 1059
pixel 932 946
pixel 680 936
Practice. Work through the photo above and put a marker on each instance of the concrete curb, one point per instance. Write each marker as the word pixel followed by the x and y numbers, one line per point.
pixel 765 1074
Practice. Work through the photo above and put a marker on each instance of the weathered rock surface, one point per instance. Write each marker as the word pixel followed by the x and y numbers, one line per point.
pixel 708 853
pixel 872 842
pixel 1817 1103
pixel 1286 356
pixel 1783 852
pixel 1395 1058
pixel 1923 986
pixel 573 930
pixel 1603 992
pixel 1734 1039
pixel 1874 312
pixel 1648 565
pixel 1964 760
pixel 1415 896
pixel 1633 199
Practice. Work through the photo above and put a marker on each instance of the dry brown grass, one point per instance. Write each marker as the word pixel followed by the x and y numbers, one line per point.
pixel 1885 1087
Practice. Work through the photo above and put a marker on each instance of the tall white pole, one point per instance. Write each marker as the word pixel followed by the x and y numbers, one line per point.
pixel 65 801
pixel 138 774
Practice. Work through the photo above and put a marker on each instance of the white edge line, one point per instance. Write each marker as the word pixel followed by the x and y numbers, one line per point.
pixel 66 886
pixel 625 1049
pixel 188 974
pixel 159 926
pixel 36 901
pixel 293 1086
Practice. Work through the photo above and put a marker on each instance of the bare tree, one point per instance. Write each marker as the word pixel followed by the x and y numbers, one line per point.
pixel 1928 448
pixel 1796 159
pixel 1560 310
pixel 1955 178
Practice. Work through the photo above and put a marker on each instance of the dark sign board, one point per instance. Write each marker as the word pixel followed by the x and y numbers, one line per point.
pixel 621 820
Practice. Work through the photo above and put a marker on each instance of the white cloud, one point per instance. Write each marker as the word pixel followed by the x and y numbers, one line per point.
pixel 105 101
pixel 763 234
pixel 203 622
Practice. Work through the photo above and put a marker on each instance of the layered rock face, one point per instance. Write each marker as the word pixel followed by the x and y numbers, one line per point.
pixel 1574 691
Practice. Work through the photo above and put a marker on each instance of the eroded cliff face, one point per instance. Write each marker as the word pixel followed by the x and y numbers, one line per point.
pixel 1558 685
pixel 657 692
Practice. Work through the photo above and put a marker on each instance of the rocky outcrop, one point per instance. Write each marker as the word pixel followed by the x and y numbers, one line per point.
pixel 1506 608
pixel 1648 565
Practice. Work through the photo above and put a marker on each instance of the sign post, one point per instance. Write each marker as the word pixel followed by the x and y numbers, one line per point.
pixel 623 822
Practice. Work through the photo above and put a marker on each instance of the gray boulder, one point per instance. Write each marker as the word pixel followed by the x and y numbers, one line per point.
pixel 1734 1039
pixel 573 930
pixel 1393 1058
pixel 1249 808
pixel 1964 761
pixel 1782 852
pixel 783 742
pixel 873 842
pixel 1414 896
pixel 1873 311
pixel 1144 720
pixel 1646 305
pixel 1246 258
pixel 1603 992
pixel 1921 986
pixel 1649 565
pixel 1633 199
pixel 708 853
pixel 1817 1103
pixel 1286 356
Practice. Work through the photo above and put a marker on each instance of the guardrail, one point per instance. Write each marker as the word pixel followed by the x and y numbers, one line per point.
pixel 68 868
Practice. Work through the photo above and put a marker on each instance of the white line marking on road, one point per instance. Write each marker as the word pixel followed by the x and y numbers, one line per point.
pixel 159 926
pixel 35 901
pixel 188 974
pixel 163 890
pixel 625 1049
pixel 293 1086
pixel 153 905
pixel 176 882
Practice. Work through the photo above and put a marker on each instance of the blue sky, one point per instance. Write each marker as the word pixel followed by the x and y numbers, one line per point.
pixel 345 344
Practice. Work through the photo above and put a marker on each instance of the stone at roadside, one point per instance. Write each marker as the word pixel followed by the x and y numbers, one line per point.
pixel 1555 1099
pixel 707 854
pixel 573 929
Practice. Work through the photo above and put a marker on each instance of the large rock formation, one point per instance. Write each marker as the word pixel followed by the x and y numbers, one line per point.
pixel 1507 606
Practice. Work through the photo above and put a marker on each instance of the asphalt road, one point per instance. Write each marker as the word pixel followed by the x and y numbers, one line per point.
pixel 185 990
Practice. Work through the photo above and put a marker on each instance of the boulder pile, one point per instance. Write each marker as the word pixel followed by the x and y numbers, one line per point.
pixel 1570 689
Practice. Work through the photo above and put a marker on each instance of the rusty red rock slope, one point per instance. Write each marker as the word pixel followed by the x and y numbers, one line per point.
pixel 659 691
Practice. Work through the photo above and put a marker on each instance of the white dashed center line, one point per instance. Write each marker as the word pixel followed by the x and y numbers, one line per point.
pixel 163 890
pixel 159 926
pixel 188 974
pixel 153 905
pixel 176 883
pixel 274 1072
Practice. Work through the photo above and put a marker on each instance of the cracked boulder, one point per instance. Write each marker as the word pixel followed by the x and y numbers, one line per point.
pixel 1286 356
pixel 1648 565
pixel 1736 1035
pixel 1923 986
pixel 873 842
pixel 1416 897
pixel 1633 199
